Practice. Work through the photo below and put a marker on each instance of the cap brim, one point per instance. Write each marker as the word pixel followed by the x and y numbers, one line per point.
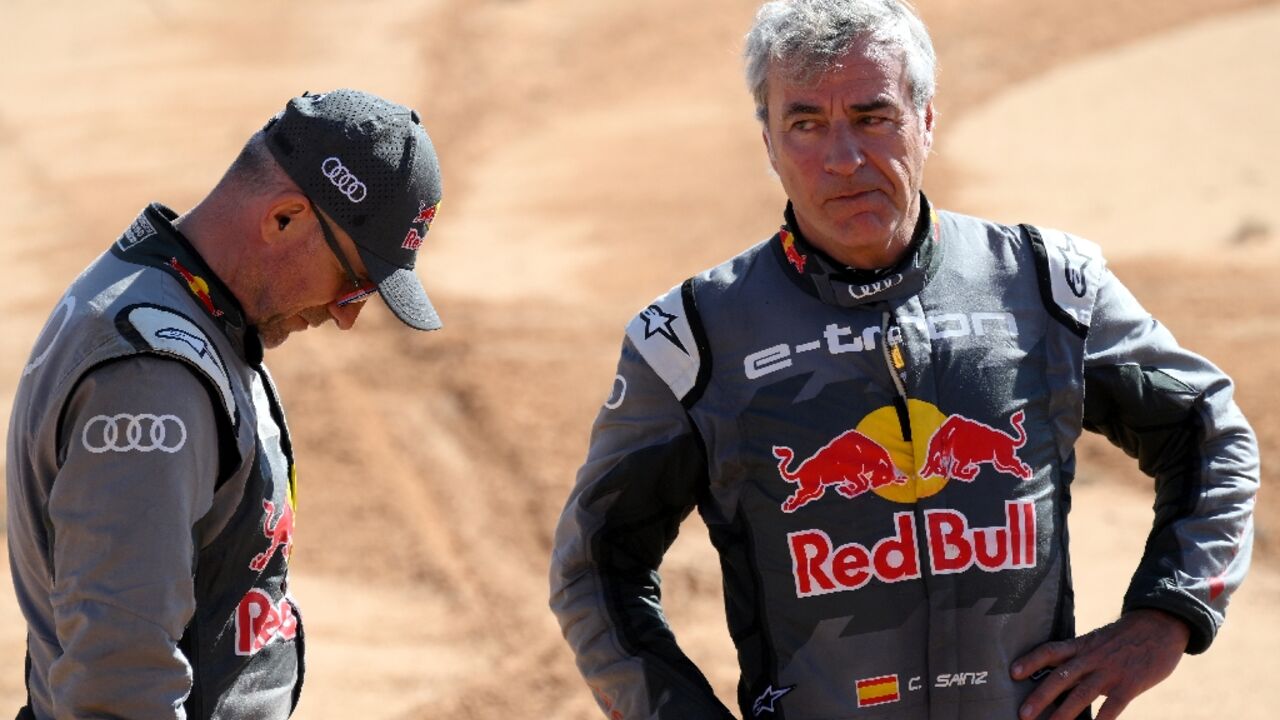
pixel 402 291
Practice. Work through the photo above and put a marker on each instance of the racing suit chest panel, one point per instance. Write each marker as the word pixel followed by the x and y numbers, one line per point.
pixel 248 633
pixel 931 559
pixel 989 469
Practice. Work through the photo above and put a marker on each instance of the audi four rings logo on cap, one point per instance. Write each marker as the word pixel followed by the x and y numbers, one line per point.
pixel 342 179
pixel 125 432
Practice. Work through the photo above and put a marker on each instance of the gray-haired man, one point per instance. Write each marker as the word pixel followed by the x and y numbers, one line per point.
pixel 874 411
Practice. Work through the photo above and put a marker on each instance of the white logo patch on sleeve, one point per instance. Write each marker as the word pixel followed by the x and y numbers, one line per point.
pixel 172 334
pixel 662 334
pixel 1076 267
pixel 124 432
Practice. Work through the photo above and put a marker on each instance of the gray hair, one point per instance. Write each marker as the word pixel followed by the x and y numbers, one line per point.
pixel 808 37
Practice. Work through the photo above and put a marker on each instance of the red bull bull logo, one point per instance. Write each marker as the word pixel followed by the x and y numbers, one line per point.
pixel 794 256
pixel 960 445
pixel 852 463
pixel 426 215
pixel 875 457
pixel 198 287
pixel 279 532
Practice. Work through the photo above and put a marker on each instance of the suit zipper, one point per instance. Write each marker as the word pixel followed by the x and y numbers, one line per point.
pixel 896 363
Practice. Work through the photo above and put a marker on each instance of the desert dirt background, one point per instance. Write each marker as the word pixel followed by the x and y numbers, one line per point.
pixel 596 153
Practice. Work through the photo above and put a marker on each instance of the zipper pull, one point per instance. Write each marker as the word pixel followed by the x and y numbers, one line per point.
pixel 894 357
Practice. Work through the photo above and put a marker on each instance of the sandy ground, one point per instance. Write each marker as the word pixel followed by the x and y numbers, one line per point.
pixel 596 154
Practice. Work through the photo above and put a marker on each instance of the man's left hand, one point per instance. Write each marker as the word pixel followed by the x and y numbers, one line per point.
pixel 1121 660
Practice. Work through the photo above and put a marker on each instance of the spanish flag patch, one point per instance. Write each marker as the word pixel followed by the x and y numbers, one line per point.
pixel 878 691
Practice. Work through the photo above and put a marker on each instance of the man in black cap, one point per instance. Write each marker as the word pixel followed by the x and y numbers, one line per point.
pixel 150 474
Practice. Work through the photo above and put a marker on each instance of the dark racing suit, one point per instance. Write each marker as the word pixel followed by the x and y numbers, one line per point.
pixel 884 462
pixel 150 497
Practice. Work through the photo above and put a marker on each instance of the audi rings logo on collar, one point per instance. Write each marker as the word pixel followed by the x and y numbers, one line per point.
pixel 342 179
pixel 125 433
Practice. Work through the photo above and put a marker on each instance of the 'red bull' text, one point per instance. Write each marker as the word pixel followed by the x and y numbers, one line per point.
pixel 259 621
pixel 820 567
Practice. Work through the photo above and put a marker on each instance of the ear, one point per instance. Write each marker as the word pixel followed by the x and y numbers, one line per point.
pixel 929 117
pixel 282 218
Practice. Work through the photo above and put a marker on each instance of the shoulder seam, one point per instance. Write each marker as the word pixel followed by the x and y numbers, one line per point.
pixel 700 339
pixel 180 340
pixel 663 335
pixel 1045 283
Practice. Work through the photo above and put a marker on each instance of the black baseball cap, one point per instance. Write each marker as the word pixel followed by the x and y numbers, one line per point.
pixel 369 164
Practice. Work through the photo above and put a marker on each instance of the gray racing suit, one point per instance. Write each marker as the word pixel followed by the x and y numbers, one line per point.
pixel 884 462
pixel 150 497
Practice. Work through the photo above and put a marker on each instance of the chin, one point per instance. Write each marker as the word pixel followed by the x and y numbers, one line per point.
pixel 863 232
pixel 274 333
pixel 272 338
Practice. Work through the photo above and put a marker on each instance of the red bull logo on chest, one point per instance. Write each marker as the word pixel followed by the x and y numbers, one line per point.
pixel 875 458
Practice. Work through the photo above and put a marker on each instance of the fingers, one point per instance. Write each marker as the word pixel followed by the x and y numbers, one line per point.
pixel 1121 660
pixel 1044 656
pixel 1055 684
pixel 1080 698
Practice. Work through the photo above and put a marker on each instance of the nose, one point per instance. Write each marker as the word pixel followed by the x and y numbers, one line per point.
pixel 345 316
pixel 844 154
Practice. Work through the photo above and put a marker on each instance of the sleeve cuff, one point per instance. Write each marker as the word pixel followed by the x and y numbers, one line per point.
pixel 1182 606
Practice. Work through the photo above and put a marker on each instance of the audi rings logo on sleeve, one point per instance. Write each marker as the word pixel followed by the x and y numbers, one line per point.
pixel 125 433
pixel 347 183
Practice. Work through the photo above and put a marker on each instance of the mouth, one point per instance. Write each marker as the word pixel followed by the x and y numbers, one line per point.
pixel 852 195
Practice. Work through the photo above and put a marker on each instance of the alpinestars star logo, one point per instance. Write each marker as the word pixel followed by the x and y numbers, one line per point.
pixel 658 322
pixel 764 703
pixel 1074 268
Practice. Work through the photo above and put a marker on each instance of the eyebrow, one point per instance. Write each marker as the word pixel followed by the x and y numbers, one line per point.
pixel 800 108
pixel 877 104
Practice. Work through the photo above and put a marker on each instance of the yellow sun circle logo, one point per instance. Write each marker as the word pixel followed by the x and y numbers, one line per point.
pixel 883 426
